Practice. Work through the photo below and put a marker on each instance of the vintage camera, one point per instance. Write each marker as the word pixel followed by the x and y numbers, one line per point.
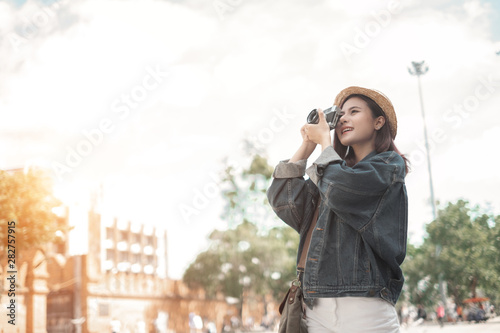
pixel 332 116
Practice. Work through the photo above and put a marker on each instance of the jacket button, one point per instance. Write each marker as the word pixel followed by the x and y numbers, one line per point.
pixel 372 292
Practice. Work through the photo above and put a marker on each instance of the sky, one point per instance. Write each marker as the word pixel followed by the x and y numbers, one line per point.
pixel 148 100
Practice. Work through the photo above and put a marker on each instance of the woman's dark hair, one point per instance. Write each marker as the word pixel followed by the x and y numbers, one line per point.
pixel 383 140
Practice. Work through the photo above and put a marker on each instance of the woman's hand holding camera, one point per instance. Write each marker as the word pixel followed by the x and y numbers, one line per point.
pixel 313 134
pixel 317 133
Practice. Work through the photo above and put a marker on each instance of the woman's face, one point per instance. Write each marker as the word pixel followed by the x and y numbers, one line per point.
pixel 357 126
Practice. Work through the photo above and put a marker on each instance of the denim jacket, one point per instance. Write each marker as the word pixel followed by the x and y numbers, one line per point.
pixel 359 241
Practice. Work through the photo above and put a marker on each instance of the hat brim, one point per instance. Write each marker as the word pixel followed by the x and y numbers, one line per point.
pixel 378 97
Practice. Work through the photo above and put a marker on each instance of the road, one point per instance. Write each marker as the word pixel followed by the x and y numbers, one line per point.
pixel 492 326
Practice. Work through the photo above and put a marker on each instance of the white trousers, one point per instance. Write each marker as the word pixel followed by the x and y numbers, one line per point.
pixel 352 315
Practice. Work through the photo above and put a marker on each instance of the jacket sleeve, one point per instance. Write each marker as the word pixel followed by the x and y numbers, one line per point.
pixel 354 193
pixel 291 196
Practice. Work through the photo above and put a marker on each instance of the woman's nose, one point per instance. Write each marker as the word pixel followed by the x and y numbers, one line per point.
pixel 343 119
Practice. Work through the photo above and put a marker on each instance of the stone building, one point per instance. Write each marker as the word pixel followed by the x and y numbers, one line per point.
pixel 120 280
pixel 107 273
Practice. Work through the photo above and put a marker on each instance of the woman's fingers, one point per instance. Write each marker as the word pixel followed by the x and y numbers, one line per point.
pixel 321 116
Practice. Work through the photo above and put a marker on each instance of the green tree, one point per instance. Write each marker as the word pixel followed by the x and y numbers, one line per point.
pixel 244 190
pixel 463 245
pixel 467 252
pixel 420 286
pixel 495 264
pixel 242 258
pixel 257 252
pixel 27 199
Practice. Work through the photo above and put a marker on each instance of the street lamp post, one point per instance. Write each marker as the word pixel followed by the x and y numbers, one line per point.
pixel 419 69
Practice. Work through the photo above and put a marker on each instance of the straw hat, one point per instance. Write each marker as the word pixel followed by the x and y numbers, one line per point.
pixel 379 98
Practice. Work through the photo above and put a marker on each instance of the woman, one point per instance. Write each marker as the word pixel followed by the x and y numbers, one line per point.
pixel 352 276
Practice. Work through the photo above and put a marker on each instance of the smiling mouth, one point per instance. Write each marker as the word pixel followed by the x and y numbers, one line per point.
pixel 347 130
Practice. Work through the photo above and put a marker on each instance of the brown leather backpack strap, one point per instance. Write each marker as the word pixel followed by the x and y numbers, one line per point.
pixel 305 249
pixel 290 295
pixel 282 305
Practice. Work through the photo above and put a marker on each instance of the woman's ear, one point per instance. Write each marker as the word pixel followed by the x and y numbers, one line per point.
pixel 379 122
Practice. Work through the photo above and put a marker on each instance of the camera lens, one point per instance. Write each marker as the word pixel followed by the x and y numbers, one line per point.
pixel 312 118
